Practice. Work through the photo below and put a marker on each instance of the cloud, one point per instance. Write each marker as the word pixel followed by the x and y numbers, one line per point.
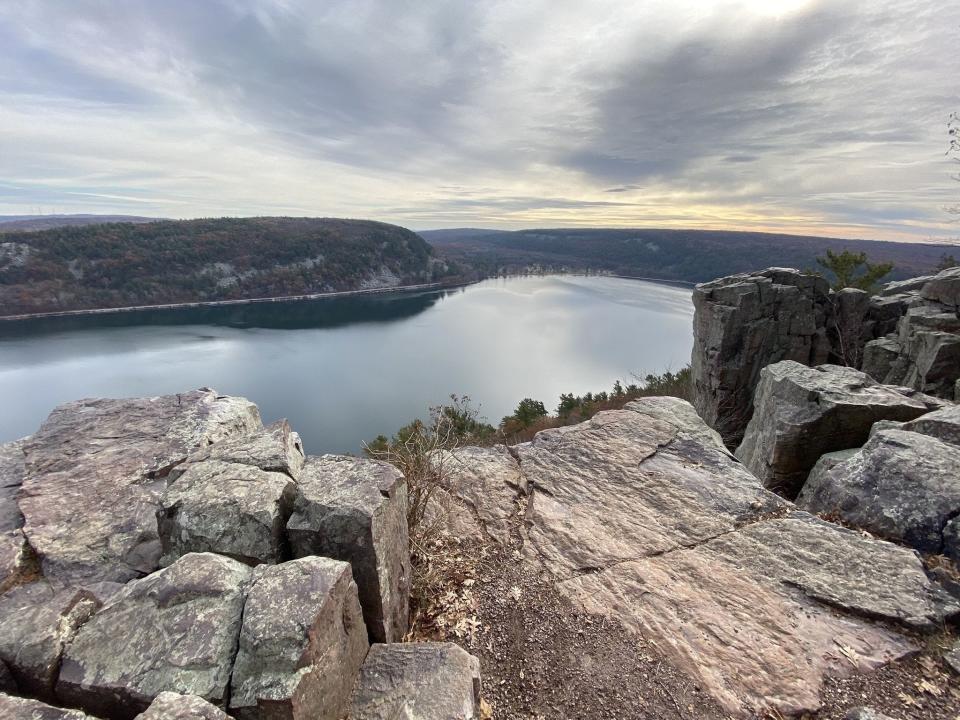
pixel 726 114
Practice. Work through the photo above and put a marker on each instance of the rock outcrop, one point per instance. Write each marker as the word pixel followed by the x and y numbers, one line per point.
pixel 11 478
pixel 426 681
pixel 908 335
pixel 800 413
pixel 355 510
pixel 174 706
pixel 18 708
pixel 901 485
pixel 94 472
pixel 301 644
pixel 176 630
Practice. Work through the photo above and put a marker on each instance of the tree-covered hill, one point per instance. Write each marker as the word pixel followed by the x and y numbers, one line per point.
pixel 117 265
pixel 691 255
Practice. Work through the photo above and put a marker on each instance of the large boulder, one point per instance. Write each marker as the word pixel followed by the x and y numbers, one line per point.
pixel 175 630
pixel 943 424
pixel 944 288
pixel 36 624
pixel 802 412
pixel 236 510
pixel 356 510
pixel 743 323
pixel 17 708
pixel 173 706
pixel 96 468
pixel 901 485
pixel 426 681
pixel 301 644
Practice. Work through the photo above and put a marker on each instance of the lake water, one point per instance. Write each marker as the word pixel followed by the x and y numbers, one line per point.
pixel 345 370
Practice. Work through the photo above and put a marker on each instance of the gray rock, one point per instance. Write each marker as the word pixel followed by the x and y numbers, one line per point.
pixel 236 510
pixel 175 630
pixel 11 478
pixel 8 684
pixel 830 460
pixel 302 642
pixel 898 287
pixel 356 510
pixel 865 713
pixel 16 559
pixel 487 481
pixel 276 448
pixel 951 540
pixel 944 288
pixel 743 323
pixel 800 413
pixel 952 657
pixel 879 357
pixel 942 424
pixel 901 485
pixel 173 706
pixel 16 708
pixel 426 681
pixel 89 451
pixel 36 624
pixel 629 483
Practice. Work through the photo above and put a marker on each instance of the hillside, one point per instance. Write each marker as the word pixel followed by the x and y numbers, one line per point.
pixel 117 265
pixel 26 223
pixel 691 255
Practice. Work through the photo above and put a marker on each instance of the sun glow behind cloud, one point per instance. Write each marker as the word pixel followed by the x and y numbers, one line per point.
pixel 798 116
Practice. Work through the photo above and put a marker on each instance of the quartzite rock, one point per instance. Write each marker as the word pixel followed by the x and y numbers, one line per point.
pixel 865 713
pixel 743 323
pixel 800 413
pixel 633 482
pixel 36 623
pixel 901 485
pixel 15 558
pixel 426 681
pixel 356 510
pixel 944 288
pixel 11 478
pixel 943 424
pixel 487 481
pixel 174 630
pixel 16 708
pixel 94 472
pixel 276 448
pixel 173 706
pixel 236 510
pixel 302 642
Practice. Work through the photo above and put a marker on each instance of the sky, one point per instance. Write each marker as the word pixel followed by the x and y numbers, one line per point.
pixel 824 117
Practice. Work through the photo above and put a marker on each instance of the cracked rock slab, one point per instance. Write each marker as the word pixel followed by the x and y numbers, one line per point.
pixel 902 485
pixel 17 708
pixel 174 630
pixel 631 483
pixel 426 681
pixel 173 706
pixel 301 644
pixel 36 624
pixel 224 507
pixel 11 478
pixel 355 510
pixel 751 615
pixel 800 413
pixel 96 468
pixel 275 448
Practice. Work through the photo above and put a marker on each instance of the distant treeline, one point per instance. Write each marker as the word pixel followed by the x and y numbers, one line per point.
pixel 126 264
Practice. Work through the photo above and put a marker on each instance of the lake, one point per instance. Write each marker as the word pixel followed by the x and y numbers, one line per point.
pixel 344 370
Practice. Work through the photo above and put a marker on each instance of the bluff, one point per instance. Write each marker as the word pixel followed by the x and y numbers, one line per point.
pixel 128 264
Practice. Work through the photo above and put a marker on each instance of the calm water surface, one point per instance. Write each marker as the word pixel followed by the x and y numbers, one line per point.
pixel 348 369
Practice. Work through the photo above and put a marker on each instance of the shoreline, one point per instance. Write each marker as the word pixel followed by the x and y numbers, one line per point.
pixel 228 303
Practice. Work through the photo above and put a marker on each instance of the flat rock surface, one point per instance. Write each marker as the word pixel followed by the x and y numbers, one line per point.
pixel 301 644
pixel 173 706
pixel 236 510
pixel 174 630
pixel 275 448
pixel 36 623
pixel 901 485
pixel 11 478
pixel 802 412
pixel 16 708
pixel 426 681
pixel 94 472
pixel 356 510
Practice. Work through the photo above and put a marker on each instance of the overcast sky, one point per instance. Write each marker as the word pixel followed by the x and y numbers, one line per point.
pixel 795 115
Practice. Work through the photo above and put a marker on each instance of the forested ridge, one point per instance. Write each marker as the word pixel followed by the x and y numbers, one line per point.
pixel 123 264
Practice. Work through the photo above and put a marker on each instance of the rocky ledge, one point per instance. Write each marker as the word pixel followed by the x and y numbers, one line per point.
pixel 171 557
